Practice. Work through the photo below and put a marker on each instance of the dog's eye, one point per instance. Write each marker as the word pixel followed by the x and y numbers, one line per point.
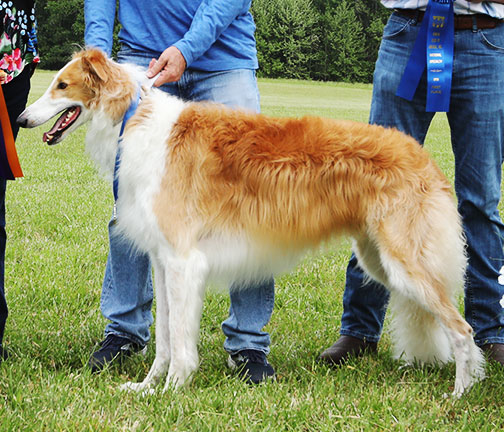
pixel 62 85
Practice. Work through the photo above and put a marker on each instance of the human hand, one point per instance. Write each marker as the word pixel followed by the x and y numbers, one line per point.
pixel 170 65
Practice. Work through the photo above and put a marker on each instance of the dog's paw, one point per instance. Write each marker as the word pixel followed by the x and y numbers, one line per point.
pixel 462 385
pixel 457 393
pixel 144 390
pixel 133 387
pixel 128 387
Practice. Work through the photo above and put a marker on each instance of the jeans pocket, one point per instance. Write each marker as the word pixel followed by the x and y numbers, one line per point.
pixel 493 38
pixel 396 25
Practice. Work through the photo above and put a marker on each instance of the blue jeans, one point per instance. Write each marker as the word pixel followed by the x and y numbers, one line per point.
pixel 127 288
pixel 476 120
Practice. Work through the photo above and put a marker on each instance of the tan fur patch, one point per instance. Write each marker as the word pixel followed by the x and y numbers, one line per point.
pixel 289 182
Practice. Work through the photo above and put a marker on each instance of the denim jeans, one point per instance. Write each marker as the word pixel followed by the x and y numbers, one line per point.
pixel 476 119
pixel 127 288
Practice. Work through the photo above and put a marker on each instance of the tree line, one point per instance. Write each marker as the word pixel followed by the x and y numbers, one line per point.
pixel 328 40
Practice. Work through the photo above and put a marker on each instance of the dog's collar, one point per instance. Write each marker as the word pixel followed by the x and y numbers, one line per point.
pixel 142 89
pixel 129 113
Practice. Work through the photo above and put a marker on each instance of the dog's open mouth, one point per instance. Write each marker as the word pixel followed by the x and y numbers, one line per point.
pixel 64 122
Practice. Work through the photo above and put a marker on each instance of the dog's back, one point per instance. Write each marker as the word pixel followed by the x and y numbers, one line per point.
pixel 291 181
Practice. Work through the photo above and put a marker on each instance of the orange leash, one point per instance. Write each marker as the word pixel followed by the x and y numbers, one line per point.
pixel 10 147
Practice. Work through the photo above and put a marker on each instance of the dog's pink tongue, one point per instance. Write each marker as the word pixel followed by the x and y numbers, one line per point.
pixel 48 135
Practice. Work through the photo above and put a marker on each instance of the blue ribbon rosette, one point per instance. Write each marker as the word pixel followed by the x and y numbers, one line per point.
pixel 433 49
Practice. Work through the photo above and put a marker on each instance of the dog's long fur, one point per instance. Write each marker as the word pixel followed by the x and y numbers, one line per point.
pixel 212 193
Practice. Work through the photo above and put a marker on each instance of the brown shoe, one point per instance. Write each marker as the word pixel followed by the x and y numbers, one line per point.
pixel 494 352
pixel 345 347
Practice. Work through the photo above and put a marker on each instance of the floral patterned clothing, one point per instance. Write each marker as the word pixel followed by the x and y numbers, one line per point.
pixel 18 38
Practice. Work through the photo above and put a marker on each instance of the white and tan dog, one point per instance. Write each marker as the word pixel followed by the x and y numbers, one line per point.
pixel 213 193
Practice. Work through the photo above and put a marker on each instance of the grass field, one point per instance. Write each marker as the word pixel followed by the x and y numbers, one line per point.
pixel 57 247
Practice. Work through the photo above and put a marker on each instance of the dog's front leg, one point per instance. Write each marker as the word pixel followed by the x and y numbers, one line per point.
pixel 162 360
pixel 185 296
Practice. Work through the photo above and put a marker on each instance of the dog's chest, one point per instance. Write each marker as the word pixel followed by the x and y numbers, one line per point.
pixel 140 173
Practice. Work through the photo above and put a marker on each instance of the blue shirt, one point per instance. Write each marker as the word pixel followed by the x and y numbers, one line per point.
pixel 212 35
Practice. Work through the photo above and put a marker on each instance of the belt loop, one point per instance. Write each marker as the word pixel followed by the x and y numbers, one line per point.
pixel 475 24
pixel 417 14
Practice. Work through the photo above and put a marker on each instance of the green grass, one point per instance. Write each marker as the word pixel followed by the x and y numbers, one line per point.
pixel 57 247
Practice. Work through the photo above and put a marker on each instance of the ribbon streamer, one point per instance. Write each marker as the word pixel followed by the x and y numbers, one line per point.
pixel 433 49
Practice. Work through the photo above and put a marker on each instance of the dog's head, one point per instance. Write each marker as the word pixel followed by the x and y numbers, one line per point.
pixel 88 84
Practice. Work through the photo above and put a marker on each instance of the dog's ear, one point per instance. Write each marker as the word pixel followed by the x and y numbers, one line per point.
pixel 95 66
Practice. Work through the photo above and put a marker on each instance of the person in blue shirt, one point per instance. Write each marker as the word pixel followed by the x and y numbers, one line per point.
pixel 202 50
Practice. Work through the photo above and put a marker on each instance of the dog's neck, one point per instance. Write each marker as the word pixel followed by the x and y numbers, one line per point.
pixel 102 141
pixel 103 130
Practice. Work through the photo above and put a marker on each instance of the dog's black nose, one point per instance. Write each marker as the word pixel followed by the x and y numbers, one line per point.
pixel 22 121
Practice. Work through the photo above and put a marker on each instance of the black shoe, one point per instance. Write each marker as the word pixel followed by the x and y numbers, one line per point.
pixel 113 348
pixel 252 366
pixel 4 355
pixel 346 347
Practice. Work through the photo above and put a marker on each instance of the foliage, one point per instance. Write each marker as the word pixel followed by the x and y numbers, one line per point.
pixel 373 16
pixel 333 40
pixel 60 30
pixel 344 45
pixel 287 37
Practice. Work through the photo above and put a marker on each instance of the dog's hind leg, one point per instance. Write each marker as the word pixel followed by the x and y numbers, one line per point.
pixel 420 257
pixel 186 291
pixel 431 330
pixel 426 324
pixel 162 361
pixel 417 335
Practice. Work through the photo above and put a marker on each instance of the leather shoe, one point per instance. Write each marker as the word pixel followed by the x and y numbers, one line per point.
pixel 494 352
pixel 346 347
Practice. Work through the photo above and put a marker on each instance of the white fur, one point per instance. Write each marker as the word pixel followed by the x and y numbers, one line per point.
pixel 235 259
pixel 100 132
pixel 140 182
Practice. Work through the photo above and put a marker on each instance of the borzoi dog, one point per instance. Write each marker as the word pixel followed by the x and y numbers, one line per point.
pixel 212 193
